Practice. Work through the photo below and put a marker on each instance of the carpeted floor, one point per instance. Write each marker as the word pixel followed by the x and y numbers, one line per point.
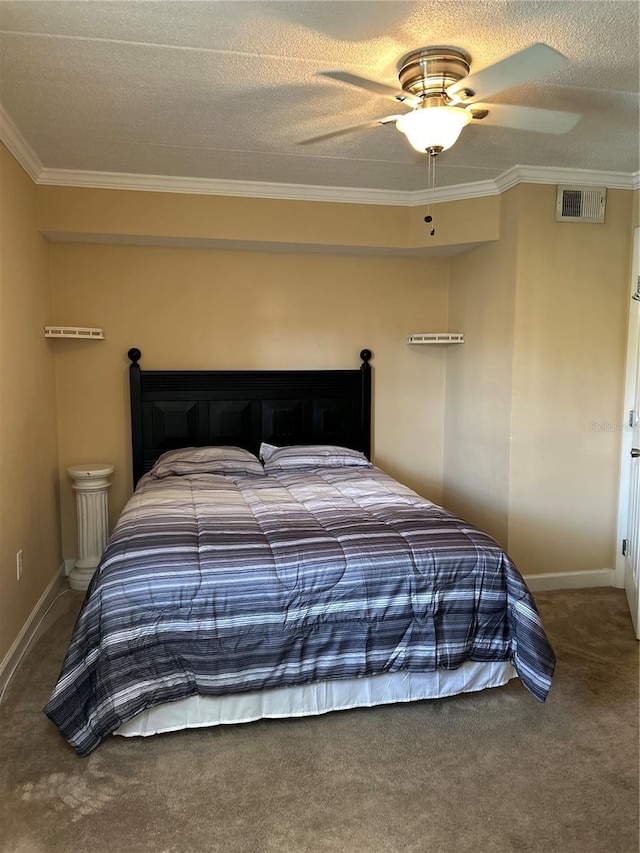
pixel 490 773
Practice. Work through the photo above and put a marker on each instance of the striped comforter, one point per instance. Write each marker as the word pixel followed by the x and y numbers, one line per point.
pixel 222 584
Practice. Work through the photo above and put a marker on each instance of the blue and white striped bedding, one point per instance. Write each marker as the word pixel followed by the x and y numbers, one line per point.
pixel 214 584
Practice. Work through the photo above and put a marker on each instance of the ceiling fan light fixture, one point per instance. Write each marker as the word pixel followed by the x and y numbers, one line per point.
pixel 433 129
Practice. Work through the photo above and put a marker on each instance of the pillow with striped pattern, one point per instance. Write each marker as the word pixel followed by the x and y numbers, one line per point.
pixel 207 460
pixel 314 456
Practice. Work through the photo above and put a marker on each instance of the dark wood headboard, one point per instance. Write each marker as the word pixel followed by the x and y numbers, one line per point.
pixel 195 408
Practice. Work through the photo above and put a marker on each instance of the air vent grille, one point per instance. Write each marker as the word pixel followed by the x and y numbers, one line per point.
pixel 580 204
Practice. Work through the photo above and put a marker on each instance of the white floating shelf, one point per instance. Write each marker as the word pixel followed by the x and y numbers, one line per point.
pixel 73 332
pixel 436 338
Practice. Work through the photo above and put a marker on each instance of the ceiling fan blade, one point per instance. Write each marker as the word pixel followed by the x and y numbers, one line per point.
pixel 367 125
pixel 524 118
pixel 370 85
pixel 534 61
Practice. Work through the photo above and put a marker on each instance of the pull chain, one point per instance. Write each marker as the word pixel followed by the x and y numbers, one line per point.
pixel 431 185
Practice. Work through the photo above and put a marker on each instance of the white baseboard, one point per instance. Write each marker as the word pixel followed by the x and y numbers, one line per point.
pixel 571 580
pixel 30 627
pixel 67 566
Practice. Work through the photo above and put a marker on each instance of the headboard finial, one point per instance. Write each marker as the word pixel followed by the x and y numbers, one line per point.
pixel 134 354
pixel 365 355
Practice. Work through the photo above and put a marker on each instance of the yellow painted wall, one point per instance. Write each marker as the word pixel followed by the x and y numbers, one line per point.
pixel 215 309
pixel 472 220
pixel 29 495
pixel 112 214
pixel 479 378
pixel 569 361
pixel 534 398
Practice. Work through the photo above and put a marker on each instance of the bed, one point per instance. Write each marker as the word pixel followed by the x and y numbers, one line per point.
pixel 264 567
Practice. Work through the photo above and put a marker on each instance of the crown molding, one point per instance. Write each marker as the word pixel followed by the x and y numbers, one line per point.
pixel 349 195
pixel 29 160
pixel 578 177
pixel 214 186
pixel 18 146
pixel 456 192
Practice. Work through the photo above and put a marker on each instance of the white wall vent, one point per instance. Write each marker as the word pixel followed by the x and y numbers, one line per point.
pixel 580 204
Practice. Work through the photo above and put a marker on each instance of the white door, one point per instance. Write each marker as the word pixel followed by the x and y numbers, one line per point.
pixel 632 548
pixel 630 475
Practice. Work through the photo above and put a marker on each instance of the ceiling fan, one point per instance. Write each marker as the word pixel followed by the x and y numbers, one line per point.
pixel 444 96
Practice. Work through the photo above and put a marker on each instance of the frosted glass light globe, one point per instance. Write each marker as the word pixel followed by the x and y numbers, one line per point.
pixel 433 128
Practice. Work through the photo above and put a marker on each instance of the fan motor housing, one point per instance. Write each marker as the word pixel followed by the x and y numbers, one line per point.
pixel 427 72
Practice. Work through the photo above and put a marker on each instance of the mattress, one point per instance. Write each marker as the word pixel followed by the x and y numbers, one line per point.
pixel 232 584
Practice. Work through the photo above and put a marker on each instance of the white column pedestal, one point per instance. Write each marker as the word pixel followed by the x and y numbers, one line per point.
pixel 90 483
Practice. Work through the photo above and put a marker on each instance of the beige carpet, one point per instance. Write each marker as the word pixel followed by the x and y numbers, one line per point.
pixel 488 773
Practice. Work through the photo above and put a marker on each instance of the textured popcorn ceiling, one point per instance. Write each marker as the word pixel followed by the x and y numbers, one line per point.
pixel 226 89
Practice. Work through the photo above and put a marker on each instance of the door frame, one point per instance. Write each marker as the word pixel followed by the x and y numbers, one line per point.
pixel 632 361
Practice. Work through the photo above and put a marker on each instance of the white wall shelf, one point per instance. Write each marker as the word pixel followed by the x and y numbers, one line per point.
pixel 436 338
pixel 83 332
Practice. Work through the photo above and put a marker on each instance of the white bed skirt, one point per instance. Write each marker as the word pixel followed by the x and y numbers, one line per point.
pixel 319 698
